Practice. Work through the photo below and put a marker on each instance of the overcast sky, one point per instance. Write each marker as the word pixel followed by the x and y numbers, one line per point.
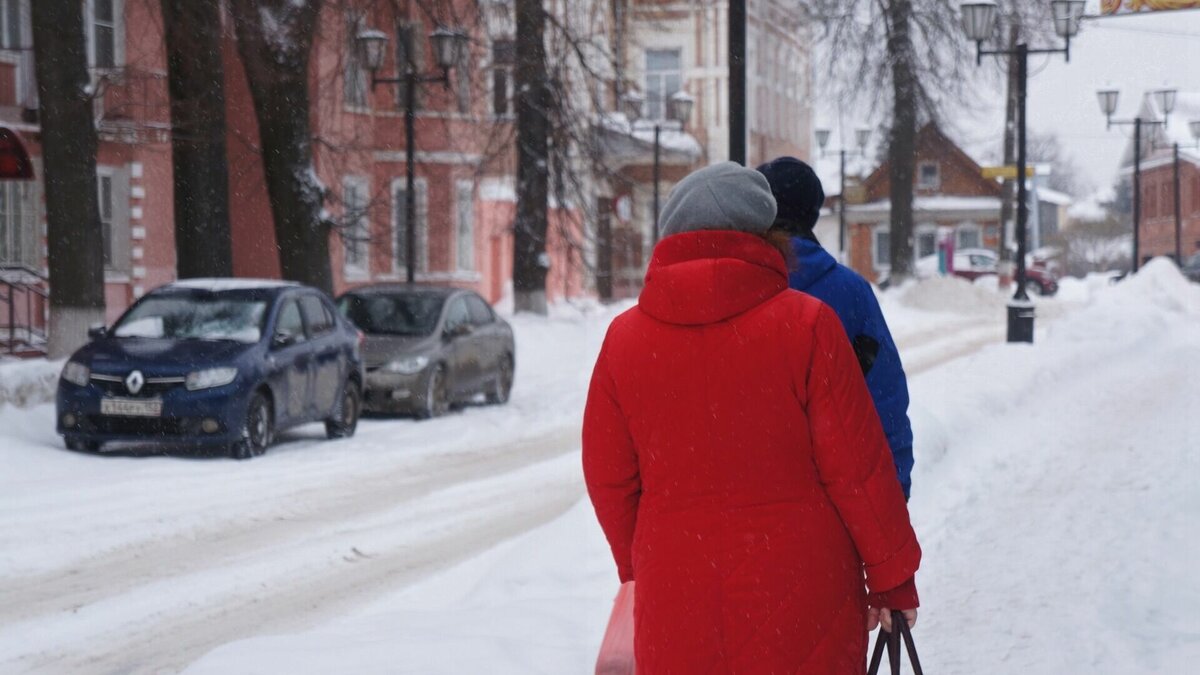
pixel 1133 54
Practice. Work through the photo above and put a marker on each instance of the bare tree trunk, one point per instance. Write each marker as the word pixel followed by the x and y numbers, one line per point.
pixel 276 60
pixel 902 150
pixel 203 244
pixel 1010 157
pixel 75 238
pixel 530 258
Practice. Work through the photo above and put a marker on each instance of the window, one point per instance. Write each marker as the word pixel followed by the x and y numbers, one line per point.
pixel 464 217
pixel 664 76
pixel 929 176
pixel 18 234
pixel 356 234
pixel 968 236
pixel 354 76
pixel 926 242
pixel 289 324
pixel 10 24
pixel 463 79
pixel 105 185
pixel 457 314
pixel 883 248
pixel 400 225
pixel 320 321
pixel 105 31
pixel 504 57
pixel 481 314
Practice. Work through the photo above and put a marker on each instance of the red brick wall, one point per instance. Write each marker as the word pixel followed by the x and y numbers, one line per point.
pixel 1158 210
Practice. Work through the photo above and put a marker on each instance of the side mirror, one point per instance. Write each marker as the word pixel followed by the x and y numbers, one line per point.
pixel 458 331
pixel 281 340
pixel 97 332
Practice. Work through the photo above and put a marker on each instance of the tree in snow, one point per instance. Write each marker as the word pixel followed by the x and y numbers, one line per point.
pixel 68 138
pixel 195 78
pixel 275 40
pixel 910 54
pixel 533 100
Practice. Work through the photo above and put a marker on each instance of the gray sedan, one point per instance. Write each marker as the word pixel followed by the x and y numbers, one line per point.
pixel 429 348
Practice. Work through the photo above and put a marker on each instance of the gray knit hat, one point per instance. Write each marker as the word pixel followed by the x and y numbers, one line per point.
pixel 725 196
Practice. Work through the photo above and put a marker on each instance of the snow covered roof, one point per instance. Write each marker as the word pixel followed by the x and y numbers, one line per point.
pixel 1161 137
pixel 670 139
pixel 935 203
pixel 1045 194
pixel 1091 208
pixel 231 284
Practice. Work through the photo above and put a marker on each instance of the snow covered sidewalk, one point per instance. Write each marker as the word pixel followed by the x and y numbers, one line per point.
pixel 1055 497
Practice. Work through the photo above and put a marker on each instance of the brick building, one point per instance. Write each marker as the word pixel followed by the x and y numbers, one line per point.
pixel 1158 179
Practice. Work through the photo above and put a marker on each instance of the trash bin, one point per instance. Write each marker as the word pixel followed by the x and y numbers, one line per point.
pixel 1020 321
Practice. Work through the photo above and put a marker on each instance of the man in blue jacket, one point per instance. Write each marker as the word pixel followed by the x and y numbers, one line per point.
pixel 799 195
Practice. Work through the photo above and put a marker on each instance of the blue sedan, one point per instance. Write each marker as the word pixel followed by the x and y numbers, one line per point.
pixel 219 363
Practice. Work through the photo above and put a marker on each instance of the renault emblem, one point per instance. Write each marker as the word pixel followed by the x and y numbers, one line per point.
pixel 134 381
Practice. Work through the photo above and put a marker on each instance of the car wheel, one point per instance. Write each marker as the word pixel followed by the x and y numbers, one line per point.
pixel 346 422
pixel 502 385
pixel 80 445
pixel 437 402
pixel 257 430
pixel 1033 288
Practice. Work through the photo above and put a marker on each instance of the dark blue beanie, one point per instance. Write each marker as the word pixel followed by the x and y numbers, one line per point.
pixel 797 190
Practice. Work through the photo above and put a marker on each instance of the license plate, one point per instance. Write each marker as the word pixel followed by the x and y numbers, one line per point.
pixel 131 407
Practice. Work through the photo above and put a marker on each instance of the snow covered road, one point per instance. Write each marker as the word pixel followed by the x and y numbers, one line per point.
pixel 1051 516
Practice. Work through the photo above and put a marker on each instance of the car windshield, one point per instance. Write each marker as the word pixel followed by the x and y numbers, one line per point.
pixel 398 314
pixel 194 317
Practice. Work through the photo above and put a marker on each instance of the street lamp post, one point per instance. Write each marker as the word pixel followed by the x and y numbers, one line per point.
pixel 1108 105
pixel 678 110
pixel 861 136
pixel 979 23
pixel 448 46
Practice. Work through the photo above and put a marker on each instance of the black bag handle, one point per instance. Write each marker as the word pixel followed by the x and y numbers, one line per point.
pixel 892 642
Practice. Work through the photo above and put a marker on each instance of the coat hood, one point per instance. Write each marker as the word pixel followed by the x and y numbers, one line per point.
pixel 812 263
pixel 698 278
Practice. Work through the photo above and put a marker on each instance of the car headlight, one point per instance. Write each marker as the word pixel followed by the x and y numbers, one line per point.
pixel 409 366
pixel 213 377
pixel 76 373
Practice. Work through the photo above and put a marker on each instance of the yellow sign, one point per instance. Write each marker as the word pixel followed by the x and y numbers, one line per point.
pixel 1009 172
pixel 1132 6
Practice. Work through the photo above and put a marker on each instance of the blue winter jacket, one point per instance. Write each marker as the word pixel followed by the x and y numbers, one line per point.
pixel 851 297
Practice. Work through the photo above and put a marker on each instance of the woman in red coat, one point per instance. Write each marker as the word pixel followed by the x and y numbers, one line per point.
pixel 734 458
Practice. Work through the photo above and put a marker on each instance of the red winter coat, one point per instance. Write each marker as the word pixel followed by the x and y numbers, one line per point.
pixel 739 470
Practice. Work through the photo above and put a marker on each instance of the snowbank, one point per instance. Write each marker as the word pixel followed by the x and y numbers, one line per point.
pixel 949 294
pixel 28 383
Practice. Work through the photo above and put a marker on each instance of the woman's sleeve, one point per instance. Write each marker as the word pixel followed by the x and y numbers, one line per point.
pixel 610 467
pixel 854 461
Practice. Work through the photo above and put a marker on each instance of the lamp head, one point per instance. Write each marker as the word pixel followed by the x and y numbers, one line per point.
pixel 979 20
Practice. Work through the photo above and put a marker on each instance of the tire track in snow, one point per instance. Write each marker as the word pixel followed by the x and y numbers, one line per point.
pixel 93 579
pixel 409 542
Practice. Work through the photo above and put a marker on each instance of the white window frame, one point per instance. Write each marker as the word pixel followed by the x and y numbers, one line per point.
pixel 924 229
pixel 967 227
pixel 399 266
pixel 118 34
pixel 509 70
pixel 354 75
pixel 657 109
pixel 18 212
pixel 885 264
pixel 936 184
pixel 464 247
pixel 9 8
pixel 358 231
pixel 108 246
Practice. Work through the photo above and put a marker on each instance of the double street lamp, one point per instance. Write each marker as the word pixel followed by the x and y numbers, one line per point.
pixel 1166 104
pixel 861 137
pixel 678 110
pixel 448 48
pixel 979 23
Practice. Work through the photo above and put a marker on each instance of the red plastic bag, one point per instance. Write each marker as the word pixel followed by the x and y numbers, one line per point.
pixel 616 651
